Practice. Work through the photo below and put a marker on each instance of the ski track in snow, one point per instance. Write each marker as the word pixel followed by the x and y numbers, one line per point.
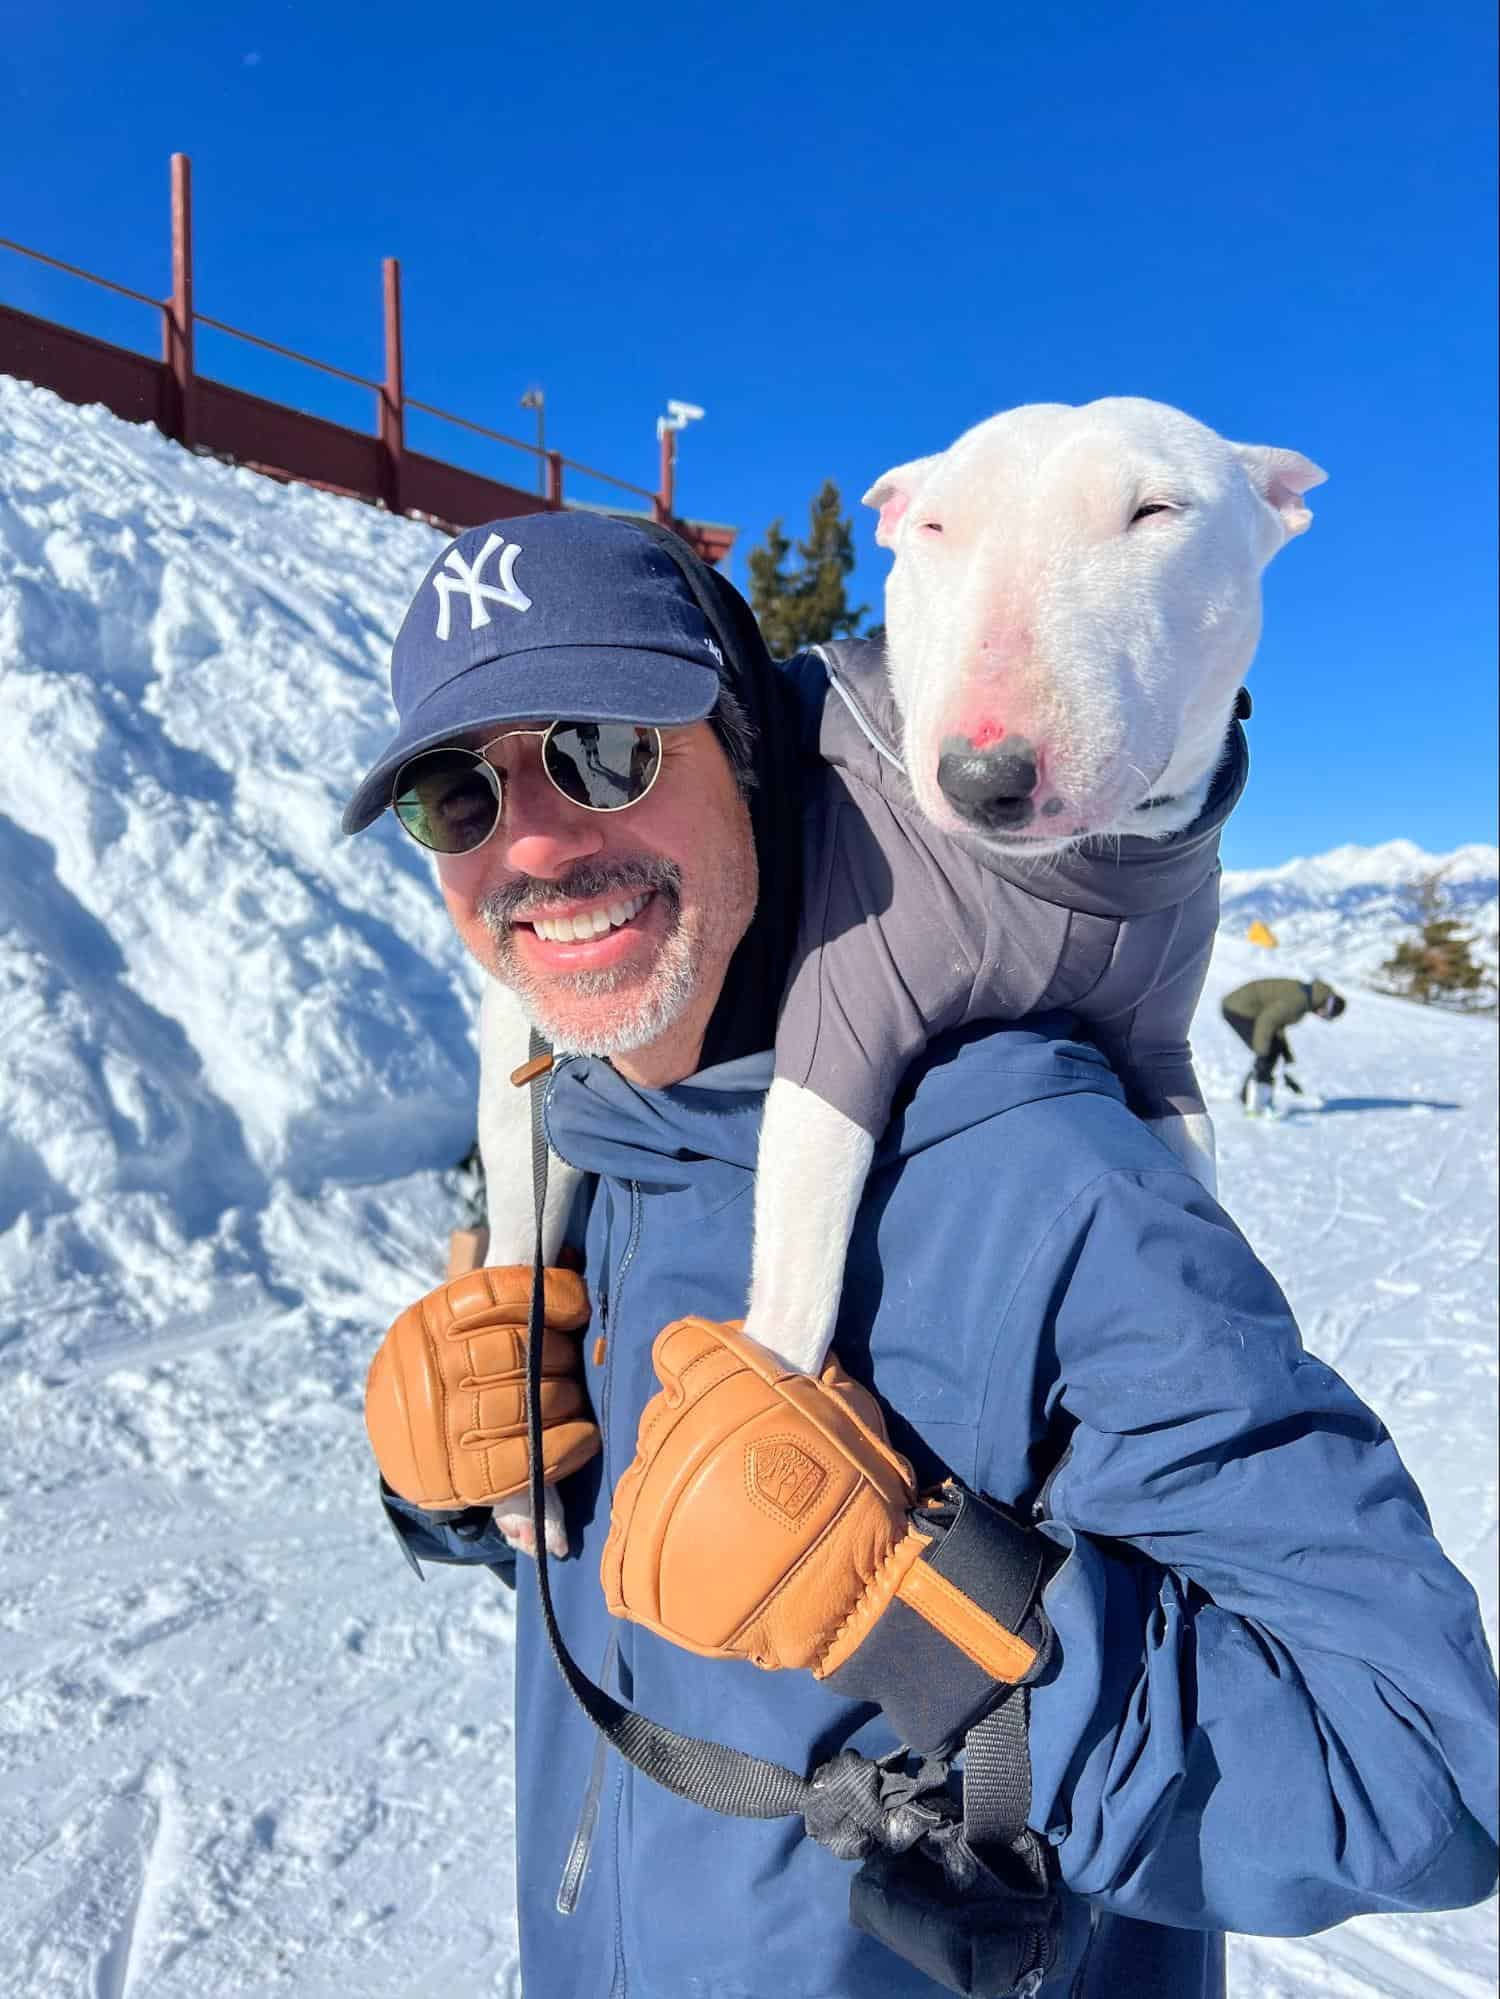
pixel 242 1750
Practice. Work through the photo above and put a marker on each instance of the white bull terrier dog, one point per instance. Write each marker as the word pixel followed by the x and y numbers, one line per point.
pixel 1039 763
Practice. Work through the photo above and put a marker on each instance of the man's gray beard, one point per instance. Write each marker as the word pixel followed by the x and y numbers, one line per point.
pixel 646 1014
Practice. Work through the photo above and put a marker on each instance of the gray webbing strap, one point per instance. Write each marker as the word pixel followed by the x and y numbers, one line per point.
pixel 997 1774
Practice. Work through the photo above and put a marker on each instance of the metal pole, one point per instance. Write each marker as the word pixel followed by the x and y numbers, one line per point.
pixel 535 398
pixel 177 329
pixel 666 484
pixel 393 393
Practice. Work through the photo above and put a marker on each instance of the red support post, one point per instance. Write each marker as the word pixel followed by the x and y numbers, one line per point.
pixel 177 322
pixel 666 485
pixel 554 480
pixel 393 393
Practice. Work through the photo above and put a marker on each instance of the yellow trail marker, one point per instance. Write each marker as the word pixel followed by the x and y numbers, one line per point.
pixel 1259 934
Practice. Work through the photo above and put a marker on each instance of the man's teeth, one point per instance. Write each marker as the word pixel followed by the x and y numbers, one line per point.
pixel 593 923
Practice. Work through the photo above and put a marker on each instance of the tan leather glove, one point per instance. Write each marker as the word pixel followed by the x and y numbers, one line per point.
pixel 766 1517
pixel 445 1403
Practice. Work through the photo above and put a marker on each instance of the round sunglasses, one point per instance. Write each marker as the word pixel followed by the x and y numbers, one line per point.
pixel 450 800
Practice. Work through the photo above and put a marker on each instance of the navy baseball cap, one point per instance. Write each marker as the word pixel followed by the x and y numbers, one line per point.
pixel 543 617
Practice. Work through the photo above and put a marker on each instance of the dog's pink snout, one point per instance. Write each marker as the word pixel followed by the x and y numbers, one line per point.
pixel 986 732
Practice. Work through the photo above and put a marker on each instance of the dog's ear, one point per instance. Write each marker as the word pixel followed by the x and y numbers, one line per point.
pixel 892 493
pixel 1281 478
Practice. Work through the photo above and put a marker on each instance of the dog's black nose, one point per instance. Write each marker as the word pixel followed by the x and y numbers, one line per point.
pixel 991 788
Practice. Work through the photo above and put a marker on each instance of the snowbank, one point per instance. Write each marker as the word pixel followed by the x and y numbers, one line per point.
pixel 215 1007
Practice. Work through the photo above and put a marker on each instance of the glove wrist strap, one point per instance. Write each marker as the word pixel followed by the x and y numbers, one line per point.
pixel 934 1660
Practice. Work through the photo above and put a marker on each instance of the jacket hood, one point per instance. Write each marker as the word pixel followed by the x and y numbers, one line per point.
pixel 601 1123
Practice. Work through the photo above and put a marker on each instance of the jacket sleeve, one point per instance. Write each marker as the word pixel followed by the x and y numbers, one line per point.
pixel 1270 1704
pixel 464 1534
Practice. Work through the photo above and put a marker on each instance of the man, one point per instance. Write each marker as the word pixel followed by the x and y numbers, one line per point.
pixel 1259 1696
pixel 1260 1014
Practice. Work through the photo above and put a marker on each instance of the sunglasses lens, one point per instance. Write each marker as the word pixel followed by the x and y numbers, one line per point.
pixel 448 800
pixel 603 765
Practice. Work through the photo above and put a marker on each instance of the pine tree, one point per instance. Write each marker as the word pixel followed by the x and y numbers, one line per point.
pixel 772 592
pixel 802 606
pixel 827 563
pixel 1438 964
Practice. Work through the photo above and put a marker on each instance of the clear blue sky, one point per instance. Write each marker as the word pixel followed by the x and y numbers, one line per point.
pixel 849 240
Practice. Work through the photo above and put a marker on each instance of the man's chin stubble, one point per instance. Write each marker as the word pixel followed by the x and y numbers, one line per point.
pixel 646 1007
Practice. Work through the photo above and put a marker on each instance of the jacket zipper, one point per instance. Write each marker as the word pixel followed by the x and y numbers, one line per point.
pixel 577 1863
pixel 575 1867
pixel 1075 1990
pixel 610 1305
pixel 862 721
pixel 1038 1957
pixel 620 1985
pixel 1040 1504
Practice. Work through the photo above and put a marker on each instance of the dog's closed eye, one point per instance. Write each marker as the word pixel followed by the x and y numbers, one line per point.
pixel 1149 507
pixel 930 527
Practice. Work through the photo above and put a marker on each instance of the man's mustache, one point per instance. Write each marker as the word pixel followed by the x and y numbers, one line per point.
pixel 590 879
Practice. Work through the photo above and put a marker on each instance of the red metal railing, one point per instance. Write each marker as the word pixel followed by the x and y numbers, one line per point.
pixel 288 443
pixel 108 284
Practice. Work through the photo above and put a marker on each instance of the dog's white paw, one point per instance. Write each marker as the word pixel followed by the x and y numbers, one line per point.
pixel 513 1518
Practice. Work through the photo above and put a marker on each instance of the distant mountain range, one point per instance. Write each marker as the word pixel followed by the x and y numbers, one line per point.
pixel 1348 908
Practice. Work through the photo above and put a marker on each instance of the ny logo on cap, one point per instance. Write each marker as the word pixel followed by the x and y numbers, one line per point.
pixel 466 577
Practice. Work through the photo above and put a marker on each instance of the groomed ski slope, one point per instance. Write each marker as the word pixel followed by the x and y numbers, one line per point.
pixel 242 1749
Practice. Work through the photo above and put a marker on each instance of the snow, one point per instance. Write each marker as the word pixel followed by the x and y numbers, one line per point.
pixel 1373 1201
pixel 242 1749
pixel 1357 867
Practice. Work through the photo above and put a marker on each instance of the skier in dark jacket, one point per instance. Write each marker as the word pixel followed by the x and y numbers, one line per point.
pixel 1253 1692
pixel 1260 1014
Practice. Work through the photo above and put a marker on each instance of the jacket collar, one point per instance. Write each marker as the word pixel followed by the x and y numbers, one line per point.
pixel 601 1123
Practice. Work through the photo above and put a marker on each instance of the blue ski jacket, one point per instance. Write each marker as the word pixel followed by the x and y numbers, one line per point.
pixel 1272 1705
